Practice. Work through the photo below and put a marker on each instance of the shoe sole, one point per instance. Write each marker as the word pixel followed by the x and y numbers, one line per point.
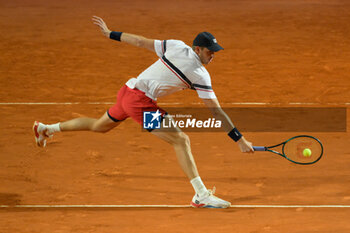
pixel 194 205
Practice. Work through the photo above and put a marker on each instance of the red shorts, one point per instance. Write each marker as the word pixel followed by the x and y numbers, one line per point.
pixel 132 103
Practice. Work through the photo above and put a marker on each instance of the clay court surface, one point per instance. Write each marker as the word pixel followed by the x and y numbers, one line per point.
pixel 278 53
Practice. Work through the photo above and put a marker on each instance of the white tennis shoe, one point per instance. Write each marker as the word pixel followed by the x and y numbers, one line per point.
pixel 40 134
pixel 209 201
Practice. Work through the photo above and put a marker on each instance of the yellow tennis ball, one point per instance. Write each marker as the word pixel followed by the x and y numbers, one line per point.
pixel 307 152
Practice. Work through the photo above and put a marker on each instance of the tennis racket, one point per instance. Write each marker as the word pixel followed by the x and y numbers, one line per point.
pixel 293 149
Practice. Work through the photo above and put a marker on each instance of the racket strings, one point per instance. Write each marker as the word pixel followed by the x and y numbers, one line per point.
pixel 294 149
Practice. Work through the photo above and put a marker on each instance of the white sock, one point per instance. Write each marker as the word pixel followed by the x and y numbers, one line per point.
pixel 198 186
pixel 53 128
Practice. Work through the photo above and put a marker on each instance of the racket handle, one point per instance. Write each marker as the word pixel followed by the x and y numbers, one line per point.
pixel 259 148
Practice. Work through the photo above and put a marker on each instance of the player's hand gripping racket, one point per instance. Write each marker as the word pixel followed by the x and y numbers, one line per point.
pixel 302 149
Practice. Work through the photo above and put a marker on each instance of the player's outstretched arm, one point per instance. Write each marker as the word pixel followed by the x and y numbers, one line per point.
pixel 135 40
pixel 219 114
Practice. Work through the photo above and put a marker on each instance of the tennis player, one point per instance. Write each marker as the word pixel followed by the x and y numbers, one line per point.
pixel 179 67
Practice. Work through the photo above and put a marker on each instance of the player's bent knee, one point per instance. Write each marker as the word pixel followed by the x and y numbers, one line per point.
pixel 182 139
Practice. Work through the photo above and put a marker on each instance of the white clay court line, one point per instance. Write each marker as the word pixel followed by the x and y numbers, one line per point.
pixel 170 206
pixel 170 104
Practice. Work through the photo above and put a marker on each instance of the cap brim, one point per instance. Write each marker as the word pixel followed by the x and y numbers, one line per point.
pixel 215 47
